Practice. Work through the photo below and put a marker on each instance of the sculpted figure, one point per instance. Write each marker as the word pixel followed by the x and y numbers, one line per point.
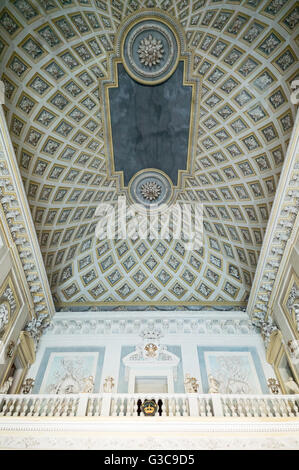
pixel 214 384
pixel 293 347
pixel 88 384
pixel 108 385
pixel 191 385
pixel 291 386
pixel 6 386
pixel 27 386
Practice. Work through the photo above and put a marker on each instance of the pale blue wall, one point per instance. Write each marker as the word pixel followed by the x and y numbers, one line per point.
pixel 76 350
pixel 254 354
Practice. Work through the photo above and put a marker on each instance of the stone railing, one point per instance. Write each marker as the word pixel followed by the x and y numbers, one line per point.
pixel 169 405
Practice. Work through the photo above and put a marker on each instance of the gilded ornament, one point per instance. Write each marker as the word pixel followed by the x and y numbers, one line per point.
pixel 151 349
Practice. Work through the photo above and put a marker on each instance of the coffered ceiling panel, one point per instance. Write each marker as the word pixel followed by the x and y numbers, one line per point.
pixel 54 55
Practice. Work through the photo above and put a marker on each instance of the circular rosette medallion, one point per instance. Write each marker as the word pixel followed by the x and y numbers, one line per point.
pixel 151 188
pixel 150 51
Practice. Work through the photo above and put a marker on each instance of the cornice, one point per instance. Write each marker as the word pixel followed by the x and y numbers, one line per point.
pixel 20 231
pixel 281 231
pixel 133 323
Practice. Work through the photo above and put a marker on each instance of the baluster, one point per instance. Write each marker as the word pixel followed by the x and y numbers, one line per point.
pixel 36 408
pixel 269 407
pixel 114 403
pixel 2 402
pixel 89 408
pixel 202 411
pixel 295 406
pixel 171 406
pixel 43 407
pixel 5 407
pixel 135 406
pixel 163 405
pixel 241 407
pixel 121 406
pixel 167 404
pixel 229 406
pixel 282 407
pixel 73 411
pixel 255 407
pixel 72 407
pixel 50 407
pixel 226 410
pixel 288 407
pixel 263 408
pixel 248 407
pixel 70 404
pixel 234 406
pixel 56 407
pixel 130 406
pixel 184 406
pixel 11 407
pixel 276 408
pixel 177 407
pixel 19 408
pixel 64 404
pixel 208 407
pixel 18 404
pixel 98 407
pixel 31 408
pixel 289 411
pixel 24 408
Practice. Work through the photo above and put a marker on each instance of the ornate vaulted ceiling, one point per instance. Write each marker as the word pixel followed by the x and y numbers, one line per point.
pixel 53 55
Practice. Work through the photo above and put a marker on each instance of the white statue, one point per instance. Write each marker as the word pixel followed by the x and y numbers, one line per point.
pixel 88 384
pixel 291 386
pixel 293 347
pixel 214 384
pixel 108 386
pixel 6 386
pixel 191 385
pixel 27 386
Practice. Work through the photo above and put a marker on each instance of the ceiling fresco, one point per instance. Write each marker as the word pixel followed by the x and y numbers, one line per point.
pixel 54 56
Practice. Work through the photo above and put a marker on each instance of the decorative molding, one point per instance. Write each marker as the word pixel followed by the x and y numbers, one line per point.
pixel 291 304
pixel 166 323
pixel 182 424
pixel 20 229
pixel 36 441
pixel 281 231
pixel 76 434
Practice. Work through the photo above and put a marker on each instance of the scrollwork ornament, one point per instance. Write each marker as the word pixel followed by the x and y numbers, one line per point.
pixel 266 327
pixel 10 349
pixel 37 326
pixel 4 316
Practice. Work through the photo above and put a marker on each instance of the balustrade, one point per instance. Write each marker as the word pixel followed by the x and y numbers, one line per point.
pixel 168 405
